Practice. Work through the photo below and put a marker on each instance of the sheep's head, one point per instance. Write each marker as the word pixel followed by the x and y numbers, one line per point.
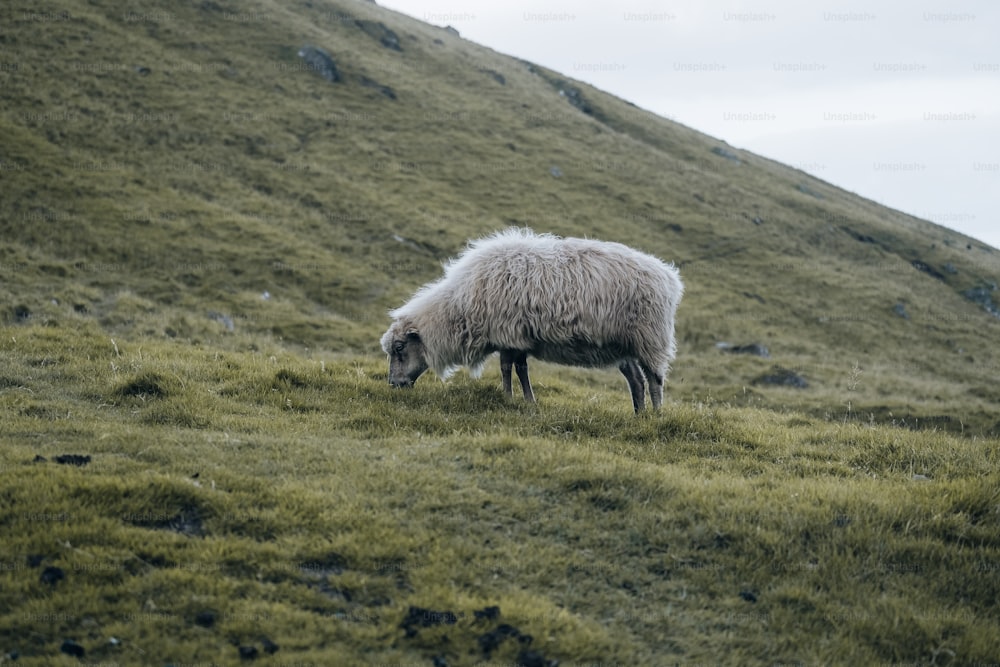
pixel 406 354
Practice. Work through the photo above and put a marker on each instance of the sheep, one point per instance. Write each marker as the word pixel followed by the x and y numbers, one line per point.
pixel 572 301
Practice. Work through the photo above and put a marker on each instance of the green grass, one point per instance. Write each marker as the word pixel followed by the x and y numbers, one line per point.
pixel 288 498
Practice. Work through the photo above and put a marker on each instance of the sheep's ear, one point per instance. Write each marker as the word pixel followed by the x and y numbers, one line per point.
pixel 412 334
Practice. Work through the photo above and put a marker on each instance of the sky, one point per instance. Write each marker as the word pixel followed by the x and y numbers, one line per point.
pixel 895 100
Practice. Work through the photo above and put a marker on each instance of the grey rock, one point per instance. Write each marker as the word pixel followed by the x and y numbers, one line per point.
pixel 320 62
pixel 381 32
pixel 982 296
pixel 575 97
pixel 726 153
pixel 921 265
pixel 782 377
pixel 385 90
pixel 754 349
pixel 806 190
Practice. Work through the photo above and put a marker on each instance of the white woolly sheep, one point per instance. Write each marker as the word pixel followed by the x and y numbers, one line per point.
pixel 570 301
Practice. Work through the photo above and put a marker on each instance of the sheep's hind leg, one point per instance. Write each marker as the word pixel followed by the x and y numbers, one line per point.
pixel 521 366
pixel 655 386
pixel 636 383
pixel 506 361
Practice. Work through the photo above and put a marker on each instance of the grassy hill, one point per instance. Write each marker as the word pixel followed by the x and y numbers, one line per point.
pixel 164 169
pixel 201 228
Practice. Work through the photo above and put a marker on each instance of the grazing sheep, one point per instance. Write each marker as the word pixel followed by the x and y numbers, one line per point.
pixel 569 301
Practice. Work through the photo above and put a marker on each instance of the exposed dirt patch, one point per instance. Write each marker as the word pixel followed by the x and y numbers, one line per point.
pixel 418 617
pixel 149 385
pixel 73 459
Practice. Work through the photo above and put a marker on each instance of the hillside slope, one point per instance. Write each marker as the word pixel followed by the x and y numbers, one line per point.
pixel 196 172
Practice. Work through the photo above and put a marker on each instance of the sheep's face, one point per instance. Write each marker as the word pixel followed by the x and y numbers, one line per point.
pixel 406 355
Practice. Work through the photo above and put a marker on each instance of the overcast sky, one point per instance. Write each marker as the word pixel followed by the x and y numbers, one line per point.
pixel 896 100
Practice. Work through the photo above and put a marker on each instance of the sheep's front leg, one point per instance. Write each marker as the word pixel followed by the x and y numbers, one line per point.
pixel 506 361
pixel 521 366
pixel 636 383
pixel 518 361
